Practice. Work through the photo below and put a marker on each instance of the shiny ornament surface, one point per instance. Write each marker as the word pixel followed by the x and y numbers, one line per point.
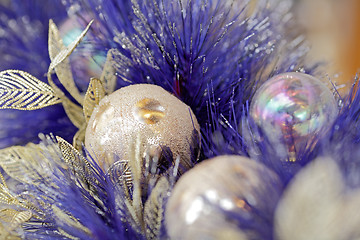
pixel 220 197
pixel 317 204
pixel 291 108
pixel 145 112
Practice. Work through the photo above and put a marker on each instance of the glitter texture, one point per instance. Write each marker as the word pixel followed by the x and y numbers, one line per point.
pixel 143 110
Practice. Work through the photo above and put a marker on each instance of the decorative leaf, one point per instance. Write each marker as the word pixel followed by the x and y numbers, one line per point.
pixel 108 77
pixel 65 53
pixel 94 94
pixel 76 162
pixel 22 164
pixel 55 44
pixel 7 214
pixel 6 196
pixel 20 218
pixel 154 209
pixel 79 137
pixel 136 170
pixel 120 173
pixel 63 69
pixel 18 162
pixel 73 111
pixel 15 218
pixel 6 234
pixel 22 91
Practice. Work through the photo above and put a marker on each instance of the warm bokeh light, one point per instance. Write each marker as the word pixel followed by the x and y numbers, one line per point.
pixel 332 27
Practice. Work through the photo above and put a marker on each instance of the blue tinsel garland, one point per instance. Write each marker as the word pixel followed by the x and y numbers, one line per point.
pixel 212 55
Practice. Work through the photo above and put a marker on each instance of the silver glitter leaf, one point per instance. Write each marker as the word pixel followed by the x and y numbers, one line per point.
pixel 22 91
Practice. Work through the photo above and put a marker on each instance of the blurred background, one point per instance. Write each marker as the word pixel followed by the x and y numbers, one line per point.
pixel 333 30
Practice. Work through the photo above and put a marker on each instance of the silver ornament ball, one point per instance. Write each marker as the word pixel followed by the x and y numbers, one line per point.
pixel 146 112
pixel 215 198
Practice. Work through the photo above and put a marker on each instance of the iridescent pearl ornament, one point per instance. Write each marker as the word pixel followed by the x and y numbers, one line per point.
pixel 145 112
pixel 291 109
pixel 226 197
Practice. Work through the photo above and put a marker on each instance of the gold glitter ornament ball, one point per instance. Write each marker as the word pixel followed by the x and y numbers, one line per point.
pixel 146 112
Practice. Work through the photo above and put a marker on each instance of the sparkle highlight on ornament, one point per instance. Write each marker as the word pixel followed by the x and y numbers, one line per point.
pixel 149 111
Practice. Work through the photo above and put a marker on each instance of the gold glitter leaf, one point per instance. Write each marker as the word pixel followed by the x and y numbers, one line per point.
pixel 108 77
pixel 22 91
pixel 79 137
pixel 5 195
pixel 120 173
pixel 55 44
pixel 63 69
pixel 65 53
pixel 76 162
pixel 7 214
pixel 19 163
pixel 70 153
pixel 7 198
pixel 154 209
pixel 94 94
pixel 5 234
pixel 15 218
pixel 74 112
pixel 136 170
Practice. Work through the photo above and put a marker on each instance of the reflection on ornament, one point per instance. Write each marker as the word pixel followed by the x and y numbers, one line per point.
pixel 159 119
pixel 86 61
pixel 291 108
pixel 221 197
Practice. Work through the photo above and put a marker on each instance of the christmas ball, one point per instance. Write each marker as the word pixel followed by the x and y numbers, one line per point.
pixel 318 204
pixel 230 196
pixel 144 116
pixel 291 109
